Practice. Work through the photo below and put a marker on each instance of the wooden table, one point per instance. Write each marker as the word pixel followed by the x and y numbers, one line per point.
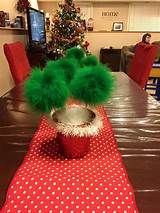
pixel 135 119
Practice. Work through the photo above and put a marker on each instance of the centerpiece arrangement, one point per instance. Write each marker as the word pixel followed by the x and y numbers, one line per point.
pixel 67 91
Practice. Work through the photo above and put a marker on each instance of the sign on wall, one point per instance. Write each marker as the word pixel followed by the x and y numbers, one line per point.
pixel 110 13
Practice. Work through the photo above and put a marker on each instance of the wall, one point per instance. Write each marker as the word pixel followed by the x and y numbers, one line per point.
pixel 6 81
pixel 115 39
pixel 148 21
pixel 98 40
pixel 95 10
pixel 34 4
pixel 102 1
pixel 106 22
pixel 48 7
pixel 9 6
pixel 7 36
pixel 135 16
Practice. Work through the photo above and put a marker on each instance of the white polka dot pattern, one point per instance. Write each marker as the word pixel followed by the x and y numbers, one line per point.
pixel 47 182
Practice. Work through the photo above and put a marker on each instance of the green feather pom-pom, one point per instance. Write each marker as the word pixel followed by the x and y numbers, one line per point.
pixel 74 52
pixel 90 60
pixel 52 69
pixel 50 64
pixel 92 85
pixel 56 94
pixel 63 68
pixel 46 92
pixel 37 74
pixel 68 68
pixel 76 74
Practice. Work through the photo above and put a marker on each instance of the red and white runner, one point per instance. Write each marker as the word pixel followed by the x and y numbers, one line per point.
pixel 46 182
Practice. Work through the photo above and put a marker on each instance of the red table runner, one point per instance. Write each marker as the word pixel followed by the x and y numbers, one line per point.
pixel 47 182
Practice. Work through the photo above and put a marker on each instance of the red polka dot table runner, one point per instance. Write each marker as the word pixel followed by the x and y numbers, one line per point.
pixel 46 182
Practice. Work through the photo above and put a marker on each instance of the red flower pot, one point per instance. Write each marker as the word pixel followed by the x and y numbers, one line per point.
pixel 75 126
pixel 73 146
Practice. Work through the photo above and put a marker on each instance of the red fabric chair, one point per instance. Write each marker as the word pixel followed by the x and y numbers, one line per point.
pixel 17 60
pixel 142 63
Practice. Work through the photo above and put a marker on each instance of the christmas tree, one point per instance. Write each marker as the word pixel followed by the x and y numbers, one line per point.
pixel 67 30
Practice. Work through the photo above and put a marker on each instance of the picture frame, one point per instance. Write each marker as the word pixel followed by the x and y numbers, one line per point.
pixel 117 26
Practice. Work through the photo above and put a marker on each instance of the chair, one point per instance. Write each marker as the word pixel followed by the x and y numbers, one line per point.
pixel 153 85
pixel 17 60
pixel 142 63
pixel 127 54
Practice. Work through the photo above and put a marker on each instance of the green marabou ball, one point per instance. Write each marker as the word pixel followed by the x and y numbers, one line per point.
pixel 67 67
pixel 46 90
pixel 92 85
pixel 74 52
pixel 90 60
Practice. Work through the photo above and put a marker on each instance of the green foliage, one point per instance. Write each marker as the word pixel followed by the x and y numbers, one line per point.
pixel 90 60
pixel 92 85
pixel 46 90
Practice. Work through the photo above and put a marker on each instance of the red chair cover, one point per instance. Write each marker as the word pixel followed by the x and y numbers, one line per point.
pixel 142 63
pixel 17 60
